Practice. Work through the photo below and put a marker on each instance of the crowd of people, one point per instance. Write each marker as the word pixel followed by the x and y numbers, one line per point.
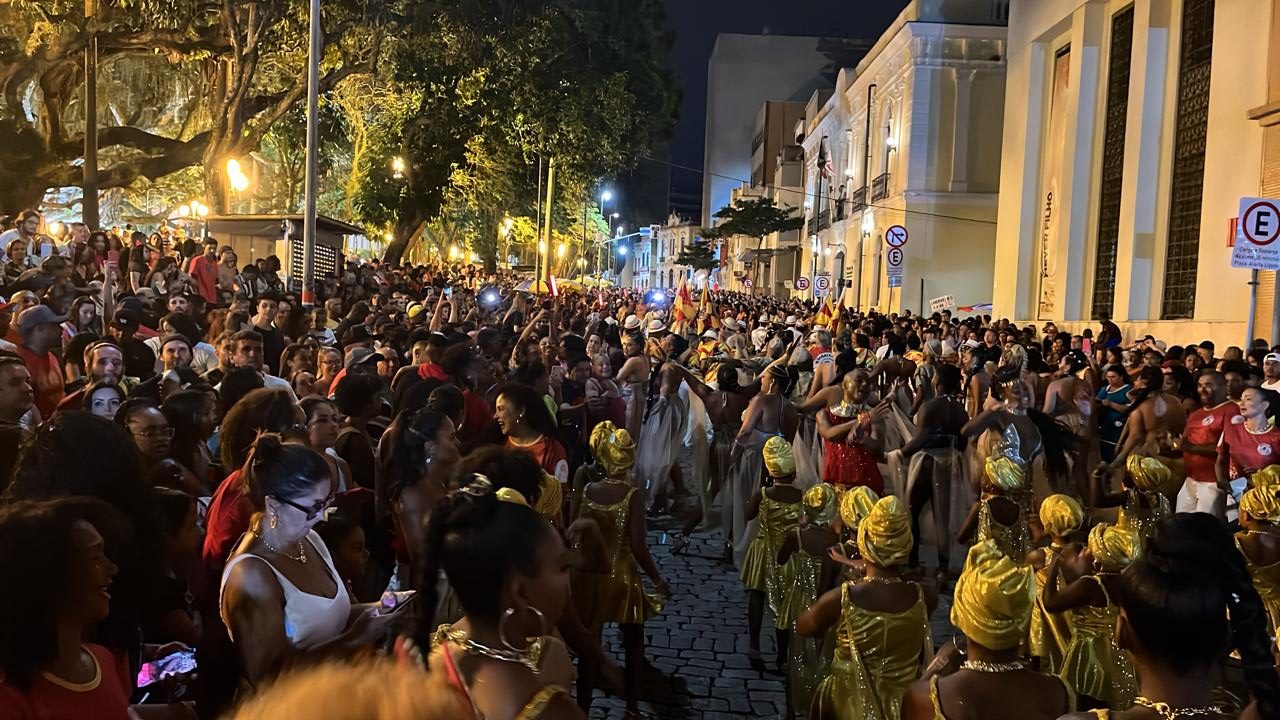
pixel 427 495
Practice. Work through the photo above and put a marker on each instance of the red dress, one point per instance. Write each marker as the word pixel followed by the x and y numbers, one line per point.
pixel 850 465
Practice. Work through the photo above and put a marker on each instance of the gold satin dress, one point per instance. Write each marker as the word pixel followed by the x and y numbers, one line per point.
pixel 1266 580
pixel 1050 632
pixel 1093 664
pixel 1009 476
pixel 1142 511
pixel 810 657
pixel 618 596
pixel 760 568
pixel 877 657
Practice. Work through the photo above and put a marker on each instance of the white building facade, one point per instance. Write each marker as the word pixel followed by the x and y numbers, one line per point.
pixel 911 138
pixel 673 238
pixel 1139 127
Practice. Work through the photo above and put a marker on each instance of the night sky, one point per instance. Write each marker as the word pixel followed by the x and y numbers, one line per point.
pixel 697 23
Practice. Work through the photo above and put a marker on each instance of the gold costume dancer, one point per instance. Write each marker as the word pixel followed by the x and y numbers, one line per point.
pixel 1061 516
pixel 1259 543
pixel 878 653
pixel 1145 503
pixel 809 657
pixel 1006 490
pixel 993 605
pixel 855 504
pixel 1093 665
pixel 778 509
pixel 619 596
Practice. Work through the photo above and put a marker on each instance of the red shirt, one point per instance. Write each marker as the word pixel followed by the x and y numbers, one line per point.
pixel 549 454
pixel 1204 427
pixel 46 380
pixel 204 271
pixel 227 520
pixel 105 698
pixel 1246 450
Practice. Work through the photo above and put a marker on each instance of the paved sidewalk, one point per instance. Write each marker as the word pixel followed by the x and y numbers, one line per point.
pixel 697 646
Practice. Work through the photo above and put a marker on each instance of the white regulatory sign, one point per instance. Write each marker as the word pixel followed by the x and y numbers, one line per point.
pixel 1256 234
pixel 893 259
pixel 821 285
pixel 895 236
pixel 802 283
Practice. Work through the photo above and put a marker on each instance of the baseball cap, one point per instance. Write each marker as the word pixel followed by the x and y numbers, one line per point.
pixel 126 319
pixel 38 315
pixel 358 334
pixel 360 356
pixel 1271 357
pixel 175 336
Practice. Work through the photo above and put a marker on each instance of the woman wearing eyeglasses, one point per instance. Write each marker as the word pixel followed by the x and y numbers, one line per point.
pixel 281 594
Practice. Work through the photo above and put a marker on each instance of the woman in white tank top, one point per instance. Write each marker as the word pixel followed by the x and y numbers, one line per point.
pixel 281 594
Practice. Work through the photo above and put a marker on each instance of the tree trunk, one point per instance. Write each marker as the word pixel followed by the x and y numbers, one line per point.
pixel 404 231
pixel 20 191
pixel 216 188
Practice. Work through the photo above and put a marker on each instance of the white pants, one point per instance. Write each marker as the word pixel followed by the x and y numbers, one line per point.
pixel 1205 497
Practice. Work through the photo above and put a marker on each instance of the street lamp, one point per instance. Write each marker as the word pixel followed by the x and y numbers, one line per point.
pixel 397 167
pixel 606 196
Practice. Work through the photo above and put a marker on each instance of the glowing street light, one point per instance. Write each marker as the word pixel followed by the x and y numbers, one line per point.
pixel 615 216
pixel 199 209
pixel 622 250
pixel 560 250
pixel 239 181
pixel 397 167
pixel 184 211
pixel 453 252
pixel 542 246
pixel 606 196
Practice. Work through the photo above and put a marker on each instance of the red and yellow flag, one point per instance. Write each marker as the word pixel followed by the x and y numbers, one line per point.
pixel 684 303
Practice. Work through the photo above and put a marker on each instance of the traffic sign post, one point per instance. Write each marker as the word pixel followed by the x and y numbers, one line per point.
pixel 1255 247
pixel 895 236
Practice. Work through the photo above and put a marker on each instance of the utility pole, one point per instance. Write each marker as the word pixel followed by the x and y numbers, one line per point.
pixel 89 172
pixel 537 215
pixel 310 189
pixel 551 192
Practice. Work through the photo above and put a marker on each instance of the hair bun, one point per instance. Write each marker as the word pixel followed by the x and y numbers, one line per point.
pixel 266 446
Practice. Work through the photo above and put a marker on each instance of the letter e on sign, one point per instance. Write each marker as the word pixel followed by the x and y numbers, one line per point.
pixel 1257 232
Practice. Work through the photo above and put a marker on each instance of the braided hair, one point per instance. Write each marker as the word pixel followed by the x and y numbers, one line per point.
pixel 1189 573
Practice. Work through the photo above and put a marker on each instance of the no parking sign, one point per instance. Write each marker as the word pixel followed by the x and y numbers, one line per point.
pixel 1256 234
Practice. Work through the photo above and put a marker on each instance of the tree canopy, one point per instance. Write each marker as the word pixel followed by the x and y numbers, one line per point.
pixel 503 85
pixel 753 217
pixel 182 83
pixel 698 255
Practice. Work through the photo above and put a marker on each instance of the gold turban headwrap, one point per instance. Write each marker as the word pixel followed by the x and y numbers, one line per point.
pixel 884 537
pixel 1268 476
pixel 1061 514
pixel 993 598
pixel 1261 503
pixel 779 457
pixel 1004 474
pixel 1113 547
pixel 856 504
pixel 820 503
pixel 613 448
pixel 551 498
pixel 1147 473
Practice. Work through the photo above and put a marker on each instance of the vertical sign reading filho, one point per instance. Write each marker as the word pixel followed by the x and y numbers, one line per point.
pixel 1256 235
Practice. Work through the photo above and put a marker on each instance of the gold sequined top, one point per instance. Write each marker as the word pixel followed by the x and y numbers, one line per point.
pixel 1142 511
pixel 1266 580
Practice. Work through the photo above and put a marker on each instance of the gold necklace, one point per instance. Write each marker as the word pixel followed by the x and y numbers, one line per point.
pixel 1167 711
pixel 883 580
pixel 532 442
pixel 530 657
pixel 302 551
pixel 983 666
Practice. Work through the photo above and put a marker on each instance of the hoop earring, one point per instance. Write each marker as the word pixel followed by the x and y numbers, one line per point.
pixel 531 654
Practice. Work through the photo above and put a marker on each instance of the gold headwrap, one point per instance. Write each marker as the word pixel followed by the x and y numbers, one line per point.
pixel 1261 503
pixel 779 457
pixel 856 504
pixel 511 495
pixel 550 499
pixel 820 503
pixel 884 537
pixel 1147 473
pixel 1061 514
pixel 993 598
pixel 1268 476
pixel 613 448
pixel 1112 547
pixel 1004 474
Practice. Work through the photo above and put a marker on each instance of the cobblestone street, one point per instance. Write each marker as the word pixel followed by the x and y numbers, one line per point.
pixel 697 646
